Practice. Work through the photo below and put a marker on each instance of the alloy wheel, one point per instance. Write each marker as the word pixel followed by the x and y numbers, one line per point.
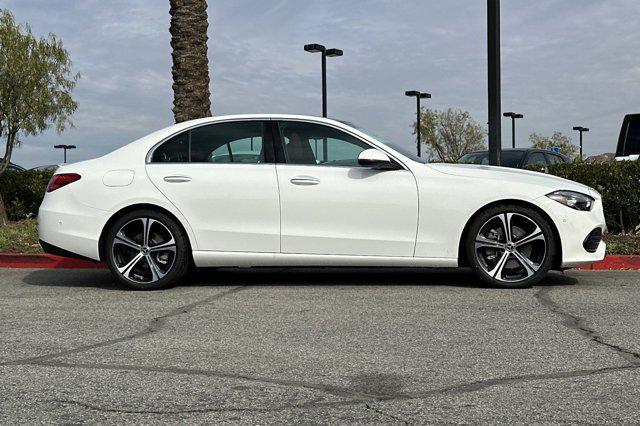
pixel 144 250
pixel 510 247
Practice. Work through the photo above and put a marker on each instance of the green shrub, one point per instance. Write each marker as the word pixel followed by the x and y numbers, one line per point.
pixel 22 192
pixel 619 185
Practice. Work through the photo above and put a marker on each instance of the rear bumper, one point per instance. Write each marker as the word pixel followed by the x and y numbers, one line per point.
pixel 69 227
pixel 58 251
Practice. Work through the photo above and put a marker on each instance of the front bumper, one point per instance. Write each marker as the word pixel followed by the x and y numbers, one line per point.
pixel 574 227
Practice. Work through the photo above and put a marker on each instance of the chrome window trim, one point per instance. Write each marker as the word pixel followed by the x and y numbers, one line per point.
pixel 276 119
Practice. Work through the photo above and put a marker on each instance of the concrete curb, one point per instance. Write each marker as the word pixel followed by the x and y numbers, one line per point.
pixel 49 261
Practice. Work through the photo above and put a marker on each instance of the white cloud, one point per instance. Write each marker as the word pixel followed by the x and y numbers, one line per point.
pixel 564 63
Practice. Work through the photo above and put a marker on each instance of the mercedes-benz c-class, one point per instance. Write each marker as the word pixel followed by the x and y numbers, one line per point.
pixel 273 190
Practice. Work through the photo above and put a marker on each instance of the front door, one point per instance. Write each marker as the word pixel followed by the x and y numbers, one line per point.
pixel 219 177
pixel 331 205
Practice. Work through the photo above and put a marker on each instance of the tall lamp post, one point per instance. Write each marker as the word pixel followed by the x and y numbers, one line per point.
pixel 581 130
pixel 418 95
pixel 65 148
pixel 513 116
pixel 318 48
pixel 493 62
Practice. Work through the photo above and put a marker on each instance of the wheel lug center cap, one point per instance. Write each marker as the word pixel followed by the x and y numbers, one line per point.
pixel 510 247
pixel 145 250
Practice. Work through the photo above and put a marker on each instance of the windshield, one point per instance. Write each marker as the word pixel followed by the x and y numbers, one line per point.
pixel 507 158
pixel 401 149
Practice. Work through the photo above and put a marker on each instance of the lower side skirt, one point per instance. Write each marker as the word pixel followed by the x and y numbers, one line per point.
pixel 205 259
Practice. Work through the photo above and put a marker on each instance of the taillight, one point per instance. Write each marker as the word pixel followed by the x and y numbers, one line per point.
pixel 58 181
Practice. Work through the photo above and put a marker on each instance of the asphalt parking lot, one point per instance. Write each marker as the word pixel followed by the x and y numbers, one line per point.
pixel 308 346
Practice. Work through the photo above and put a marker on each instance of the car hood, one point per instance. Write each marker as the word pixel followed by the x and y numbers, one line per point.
pixel 513 176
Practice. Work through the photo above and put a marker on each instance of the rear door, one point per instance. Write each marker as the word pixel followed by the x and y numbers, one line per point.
pixel 331 205
pixel 222 178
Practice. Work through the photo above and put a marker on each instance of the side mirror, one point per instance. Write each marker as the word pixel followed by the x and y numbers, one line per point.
pixel 376 160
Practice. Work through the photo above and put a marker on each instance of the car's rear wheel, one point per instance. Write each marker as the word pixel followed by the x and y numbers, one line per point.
pixel 147 250
pixel 510 246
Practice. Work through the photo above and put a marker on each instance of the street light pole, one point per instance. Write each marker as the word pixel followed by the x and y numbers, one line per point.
pixel 418 95
pixel 65 148
pixel 513 116
pixel 493 60
pixel 318 48
pixel 581 130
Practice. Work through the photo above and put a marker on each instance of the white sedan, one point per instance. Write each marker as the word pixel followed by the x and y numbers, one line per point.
pixel 289 190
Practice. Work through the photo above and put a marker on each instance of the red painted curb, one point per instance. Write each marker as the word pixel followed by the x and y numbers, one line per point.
pixel 615 262
pixel 49 261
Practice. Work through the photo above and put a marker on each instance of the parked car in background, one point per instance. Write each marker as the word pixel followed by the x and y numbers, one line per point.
pixel 51 167
pixel 14 167
pixel 539 159
pixel 629 140
pixel 318 192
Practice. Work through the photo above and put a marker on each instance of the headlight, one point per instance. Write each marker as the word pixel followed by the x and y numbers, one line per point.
pixel 575 200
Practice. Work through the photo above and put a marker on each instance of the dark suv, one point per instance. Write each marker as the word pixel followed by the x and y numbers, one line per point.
pixel 540 159
pixel 629 140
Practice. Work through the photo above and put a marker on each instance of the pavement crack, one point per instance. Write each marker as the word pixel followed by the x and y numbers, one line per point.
pixel 329 389
pixel 386 414
pixel 580 325
pixel 204 410
pixel 353 396
pixel 154 326
pixel 514 380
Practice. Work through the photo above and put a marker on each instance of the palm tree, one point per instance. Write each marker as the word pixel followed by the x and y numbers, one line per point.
pixel 188 28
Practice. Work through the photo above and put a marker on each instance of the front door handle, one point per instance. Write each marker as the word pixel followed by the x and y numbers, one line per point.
pixel 304 180
pixel 177 179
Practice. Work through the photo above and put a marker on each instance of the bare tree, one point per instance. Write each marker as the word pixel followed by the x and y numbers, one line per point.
pixel 557 140
pixel 450 134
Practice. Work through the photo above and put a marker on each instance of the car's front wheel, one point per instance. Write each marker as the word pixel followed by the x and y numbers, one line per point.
pixel 147 250
pixel 510 246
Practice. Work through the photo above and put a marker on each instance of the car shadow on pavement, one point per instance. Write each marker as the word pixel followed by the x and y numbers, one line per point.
pixel 91 278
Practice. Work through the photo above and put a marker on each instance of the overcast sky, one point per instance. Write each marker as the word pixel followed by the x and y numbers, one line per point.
pixel 564 63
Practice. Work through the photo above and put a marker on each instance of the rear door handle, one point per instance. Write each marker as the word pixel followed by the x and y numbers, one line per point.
pixel 304 180
pixel 177 179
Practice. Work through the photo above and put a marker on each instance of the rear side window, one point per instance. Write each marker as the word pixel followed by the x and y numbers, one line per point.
pixel 233 142
pixel 474 158
pixel 238 142
pixel 554 159
pixel 174 150
pixel 536 160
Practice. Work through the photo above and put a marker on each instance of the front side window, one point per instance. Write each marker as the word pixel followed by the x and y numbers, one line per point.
pixel 174 150
pixel 237 142
pixel 318 145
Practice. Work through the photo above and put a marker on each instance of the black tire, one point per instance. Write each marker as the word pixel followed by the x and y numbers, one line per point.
pixel 513 273
pixel 180 260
